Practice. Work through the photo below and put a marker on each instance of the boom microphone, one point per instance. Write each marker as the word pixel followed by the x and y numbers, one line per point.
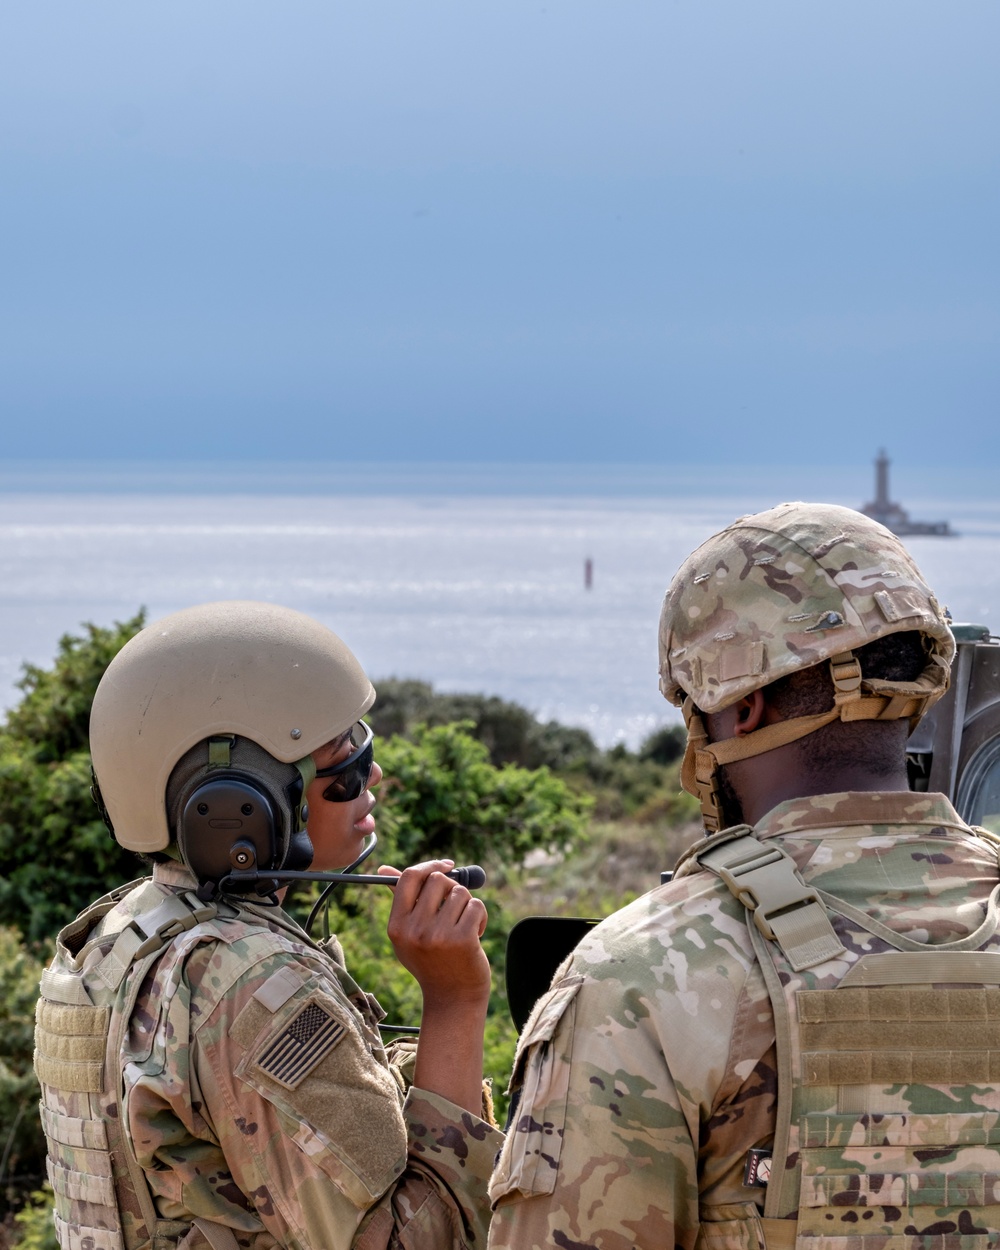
pixel 471 876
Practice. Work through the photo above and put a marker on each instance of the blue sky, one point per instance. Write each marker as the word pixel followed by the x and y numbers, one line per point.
pixel 560 231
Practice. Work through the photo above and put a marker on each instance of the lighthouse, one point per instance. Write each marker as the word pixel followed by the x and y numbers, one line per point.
pixel 892 515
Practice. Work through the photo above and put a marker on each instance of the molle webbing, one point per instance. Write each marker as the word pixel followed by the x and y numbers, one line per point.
pixel 81 1022
pixel 887 1134
pixel 83 1237
pixel 934 966
pixel 72 1131
pixel 900 1034
pixel 70 1041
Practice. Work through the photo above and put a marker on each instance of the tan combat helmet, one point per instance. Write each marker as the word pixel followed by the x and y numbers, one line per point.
pixel 783 590
pixel 256 670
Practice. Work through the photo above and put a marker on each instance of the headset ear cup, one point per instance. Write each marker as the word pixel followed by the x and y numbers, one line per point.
pixel 300 852
pixel 226 809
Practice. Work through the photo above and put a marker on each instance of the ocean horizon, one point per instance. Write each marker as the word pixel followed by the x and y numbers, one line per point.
pixel 467 576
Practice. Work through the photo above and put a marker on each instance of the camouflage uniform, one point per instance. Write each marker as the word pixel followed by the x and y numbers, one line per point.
pixel 797 1041
pixel 252 1090
pixel 648 1073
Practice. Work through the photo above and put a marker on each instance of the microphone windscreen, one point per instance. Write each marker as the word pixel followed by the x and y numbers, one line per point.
pixel 471 876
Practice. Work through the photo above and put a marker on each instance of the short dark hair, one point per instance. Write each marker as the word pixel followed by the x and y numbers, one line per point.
pixel 896 657
pixel 878 746
pixel 875 744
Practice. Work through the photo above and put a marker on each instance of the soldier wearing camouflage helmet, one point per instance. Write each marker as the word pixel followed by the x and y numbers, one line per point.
pixel 211 1077
pixel 796 1041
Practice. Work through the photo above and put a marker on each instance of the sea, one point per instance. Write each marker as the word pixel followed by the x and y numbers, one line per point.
pixel 471 577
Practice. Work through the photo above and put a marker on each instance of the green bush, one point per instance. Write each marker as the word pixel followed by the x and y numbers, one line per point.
pixel 619 781
pixel 22 1148
pixel 34 1224
pixel 442 796
pixel 508 731
pixel 664 745
pixel 55 853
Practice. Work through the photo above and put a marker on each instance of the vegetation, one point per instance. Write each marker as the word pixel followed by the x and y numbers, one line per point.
pixel 22 1150
pixel 559 825
pixel 442 796
pixel 55 852
pixel 621 783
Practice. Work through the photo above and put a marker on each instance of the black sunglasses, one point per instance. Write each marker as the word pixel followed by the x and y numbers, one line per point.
pixel 351 775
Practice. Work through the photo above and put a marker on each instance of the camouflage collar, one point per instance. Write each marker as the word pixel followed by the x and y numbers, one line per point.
pixel 823 811
pixel 175 874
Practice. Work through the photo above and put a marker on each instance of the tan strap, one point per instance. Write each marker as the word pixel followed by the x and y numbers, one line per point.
pixel 689 861
pixel 928 968
pixel 219 1236
pixel 116 963
pixel 902 942
pixel 855 698
pixel 779 1234
pixel 64 987
pixel 784 909
pixel 174 915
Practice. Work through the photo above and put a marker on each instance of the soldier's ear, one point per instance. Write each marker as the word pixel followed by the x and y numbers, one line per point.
pixel 749 713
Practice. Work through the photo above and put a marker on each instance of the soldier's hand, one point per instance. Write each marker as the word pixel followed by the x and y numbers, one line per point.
pixel 435 926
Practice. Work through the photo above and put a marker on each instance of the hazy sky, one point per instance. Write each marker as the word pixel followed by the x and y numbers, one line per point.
pixel 631 231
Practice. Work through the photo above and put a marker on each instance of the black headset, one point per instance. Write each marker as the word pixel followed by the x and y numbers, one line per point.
pixel 230 823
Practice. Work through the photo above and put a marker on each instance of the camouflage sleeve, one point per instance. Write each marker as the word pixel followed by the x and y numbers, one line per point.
pixel 626 1071
pixel 450 1152
pixel 319 1147
pixel 600 1152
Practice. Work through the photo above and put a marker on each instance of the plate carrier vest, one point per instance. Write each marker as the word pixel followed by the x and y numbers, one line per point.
pixel 888 1069
pixel 102 1200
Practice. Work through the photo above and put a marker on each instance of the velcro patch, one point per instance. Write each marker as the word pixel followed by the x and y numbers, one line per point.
pixel 744 659
pixel 306 1040
pixel 898 605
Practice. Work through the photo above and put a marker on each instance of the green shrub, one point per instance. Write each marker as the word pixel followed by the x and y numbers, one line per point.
pixel 509 732
pixel 22 1147
pixel 664 745
pixel 34 1224
pixel 56 855
pixel 620 782
pixel 442 796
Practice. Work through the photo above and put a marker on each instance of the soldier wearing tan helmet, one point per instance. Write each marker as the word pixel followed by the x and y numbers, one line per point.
pixel 796 1041
pixel 210 1075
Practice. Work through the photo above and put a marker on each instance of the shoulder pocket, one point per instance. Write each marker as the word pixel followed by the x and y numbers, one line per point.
pixel 529 1161
pixel 342 1106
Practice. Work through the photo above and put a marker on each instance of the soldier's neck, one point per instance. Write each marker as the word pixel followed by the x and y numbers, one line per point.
pixel 756 805
pixel 765 780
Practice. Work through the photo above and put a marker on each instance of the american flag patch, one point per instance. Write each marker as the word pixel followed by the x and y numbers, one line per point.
pixel 307 1039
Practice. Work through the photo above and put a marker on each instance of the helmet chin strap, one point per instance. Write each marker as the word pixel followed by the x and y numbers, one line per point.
pixel 855 698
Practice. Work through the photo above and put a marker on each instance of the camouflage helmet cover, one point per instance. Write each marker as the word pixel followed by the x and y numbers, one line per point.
pixel 783 590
